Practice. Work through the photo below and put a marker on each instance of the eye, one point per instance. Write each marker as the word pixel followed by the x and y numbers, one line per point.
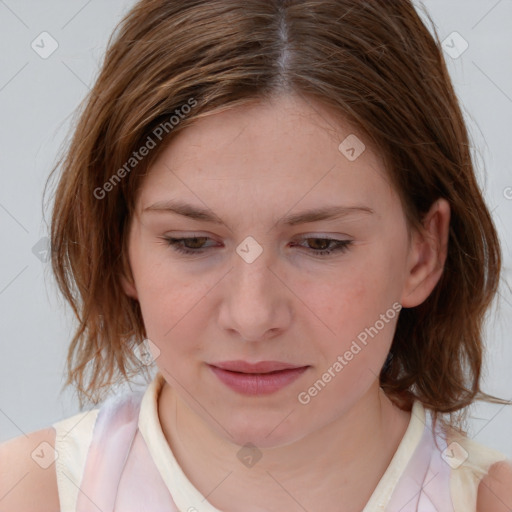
pixel 326 246
pixel 319 247
pixel 181 244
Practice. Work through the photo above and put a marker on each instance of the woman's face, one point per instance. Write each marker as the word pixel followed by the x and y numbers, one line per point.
pixel 262 288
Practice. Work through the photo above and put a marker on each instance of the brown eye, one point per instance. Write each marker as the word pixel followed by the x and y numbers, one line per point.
pixel 194 243
pixel 320 244
pixel 326 246
pixel 191 245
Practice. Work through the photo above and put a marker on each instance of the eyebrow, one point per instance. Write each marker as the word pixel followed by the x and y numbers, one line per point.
pixel 304 217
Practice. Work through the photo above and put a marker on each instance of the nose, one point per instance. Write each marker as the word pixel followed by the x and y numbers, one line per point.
pixel 256 304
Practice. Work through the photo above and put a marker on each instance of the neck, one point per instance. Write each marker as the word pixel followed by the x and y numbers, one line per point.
pixel 341 463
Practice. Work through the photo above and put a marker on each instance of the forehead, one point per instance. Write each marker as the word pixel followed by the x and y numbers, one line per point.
pixel 281 152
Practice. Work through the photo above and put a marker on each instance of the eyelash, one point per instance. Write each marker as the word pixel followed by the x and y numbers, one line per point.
pixel 340 245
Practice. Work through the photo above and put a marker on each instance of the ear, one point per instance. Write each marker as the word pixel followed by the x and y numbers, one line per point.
pixel 126 279
pixel 129 287
pixel 427 255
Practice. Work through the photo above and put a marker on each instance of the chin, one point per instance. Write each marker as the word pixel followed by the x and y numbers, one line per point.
pixel 262 434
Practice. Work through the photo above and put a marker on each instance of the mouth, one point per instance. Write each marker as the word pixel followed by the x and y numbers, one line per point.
pixel 261 367
pixel 257 379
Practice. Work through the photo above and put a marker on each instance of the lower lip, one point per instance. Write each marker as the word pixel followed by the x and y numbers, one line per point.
pixel 258 383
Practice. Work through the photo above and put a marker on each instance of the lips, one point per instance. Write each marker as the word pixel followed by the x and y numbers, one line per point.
pixel 253 379
pixel 261 367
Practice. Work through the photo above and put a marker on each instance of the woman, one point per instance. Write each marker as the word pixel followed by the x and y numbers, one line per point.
pixel 278 199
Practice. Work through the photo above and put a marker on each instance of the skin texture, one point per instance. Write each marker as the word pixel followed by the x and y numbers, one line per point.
pixel 251 166
pixel 495 489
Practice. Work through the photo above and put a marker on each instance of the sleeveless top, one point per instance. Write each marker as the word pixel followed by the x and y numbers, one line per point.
pixel 115 458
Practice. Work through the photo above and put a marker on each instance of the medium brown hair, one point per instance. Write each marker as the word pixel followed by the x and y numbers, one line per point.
pixel 376 65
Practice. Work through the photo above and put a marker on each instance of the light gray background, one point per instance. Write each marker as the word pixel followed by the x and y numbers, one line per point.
pixel 37 99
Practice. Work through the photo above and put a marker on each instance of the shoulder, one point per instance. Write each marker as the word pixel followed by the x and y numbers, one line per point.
pixel 481 477
pixel 495 488
pixel 28 478
pixel 42 470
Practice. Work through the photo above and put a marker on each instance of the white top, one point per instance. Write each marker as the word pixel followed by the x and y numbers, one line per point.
pixel 453 474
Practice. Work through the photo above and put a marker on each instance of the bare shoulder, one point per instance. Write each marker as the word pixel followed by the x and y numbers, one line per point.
pixel 28 479
pixel 495 489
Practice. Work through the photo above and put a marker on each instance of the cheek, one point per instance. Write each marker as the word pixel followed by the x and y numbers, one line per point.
pixel 175 309
pixel 357 314
pixel 164 291
pixel 167 305
pixel 164 296
pixel 350 298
